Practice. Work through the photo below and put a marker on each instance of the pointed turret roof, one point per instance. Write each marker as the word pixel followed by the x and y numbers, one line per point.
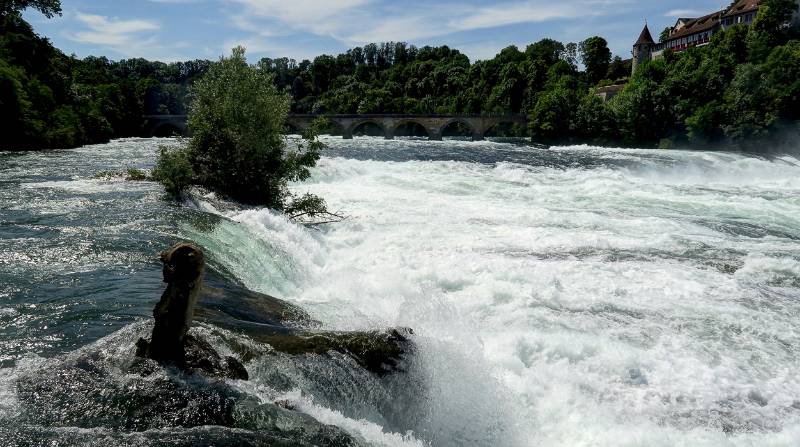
pixel 645 37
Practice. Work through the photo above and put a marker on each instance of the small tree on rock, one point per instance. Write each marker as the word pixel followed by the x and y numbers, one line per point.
pixel 237 148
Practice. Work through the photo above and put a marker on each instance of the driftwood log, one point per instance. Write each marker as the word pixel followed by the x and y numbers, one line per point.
pixel 284 327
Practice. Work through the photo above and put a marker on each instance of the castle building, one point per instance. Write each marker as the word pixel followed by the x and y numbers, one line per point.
pixel 643 48
pixel 693 32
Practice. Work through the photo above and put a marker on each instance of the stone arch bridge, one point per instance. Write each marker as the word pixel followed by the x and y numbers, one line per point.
pixel 434 125
pixel 165 125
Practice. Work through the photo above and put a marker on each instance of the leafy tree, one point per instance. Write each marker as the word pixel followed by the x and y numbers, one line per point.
pixel 643 111
pixel 49 8
pixel 174 169
pixel 596 57
pixel 594 120
pixel 664 36
pixel 14 106
pixel 774 15
pixel 237 148
pixel 553 117
pixel 618 69
pixel 548 51
pixel 769 29
pixel 570 54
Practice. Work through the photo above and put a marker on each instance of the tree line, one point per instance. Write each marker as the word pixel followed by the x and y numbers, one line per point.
pixel 52 100
pixel 395 77
pixel 740 88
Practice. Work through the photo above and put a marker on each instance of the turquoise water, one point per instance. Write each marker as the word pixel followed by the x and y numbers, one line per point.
pixel 571 296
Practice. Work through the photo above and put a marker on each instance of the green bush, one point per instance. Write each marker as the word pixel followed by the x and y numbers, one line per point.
pixel 136 175
pixel 174 170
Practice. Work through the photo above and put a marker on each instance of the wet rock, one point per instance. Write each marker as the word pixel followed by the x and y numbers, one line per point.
pixel 201 356
pixel 170 344
pixel 86 399
pixel 288 329
pixel 282 326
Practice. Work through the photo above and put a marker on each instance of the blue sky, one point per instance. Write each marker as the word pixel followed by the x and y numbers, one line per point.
pixel 172 30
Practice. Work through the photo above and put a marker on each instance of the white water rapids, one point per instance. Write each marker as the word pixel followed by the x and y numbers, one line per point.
pixel 570 296
pixel 598 298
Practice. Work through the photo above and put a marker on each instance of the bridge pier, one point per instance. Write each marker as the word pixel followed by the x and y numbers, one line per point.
pixel 477 136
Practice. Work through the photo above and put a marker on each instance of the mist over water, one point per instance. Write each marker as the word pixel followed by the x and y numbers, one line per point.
pixel 560 297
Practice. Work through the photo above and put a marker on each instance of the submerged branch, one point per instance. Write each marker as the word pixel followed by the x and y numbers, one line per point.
pixel 313 219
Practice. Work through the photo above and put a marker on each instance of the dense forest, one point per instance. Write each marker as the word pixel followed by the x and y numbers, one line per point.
pixel 401 78
pixel 742 87
pixel 51 100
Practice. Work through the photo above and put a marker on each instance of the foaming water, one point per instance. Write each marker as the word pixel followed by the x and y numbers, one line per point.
pixel 570 296
pixel 639 298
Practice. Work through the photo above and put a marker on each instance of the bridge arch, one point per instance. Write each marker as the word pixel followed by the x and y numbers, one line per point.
pixel 163 130
pixel 356 125
pixel 406 122
pixel 471 129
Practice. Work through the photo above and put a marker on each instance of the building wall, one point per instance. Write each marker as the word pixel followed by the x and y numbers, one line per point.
pixel 641 54
pixel 746 18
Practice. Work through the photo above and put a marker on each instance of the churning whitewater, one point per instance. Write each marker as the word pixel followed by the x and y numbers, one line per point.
pixel 560 297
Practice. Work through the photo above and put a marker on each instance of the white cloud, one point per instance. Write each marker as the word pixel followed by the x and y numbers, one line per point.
pixel 360 21
pixel 321 17
pixel 125 37
pixel 512 13
pixel 113 33
pixel 677 13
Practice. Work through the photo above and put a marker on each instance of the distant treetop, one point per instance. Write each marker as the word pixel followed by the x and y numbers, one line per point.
pixel 49 8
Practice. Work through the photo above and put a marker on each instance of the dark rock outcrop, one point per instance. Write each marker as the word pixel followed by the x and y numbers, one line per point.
pixel 170 343
pixel 290 330
pixel 284 327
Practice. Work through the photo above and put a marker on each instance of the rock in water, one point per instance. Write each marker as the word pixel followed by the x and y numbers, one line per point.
pixel 170 343
pixel 265 319
pixel 288 329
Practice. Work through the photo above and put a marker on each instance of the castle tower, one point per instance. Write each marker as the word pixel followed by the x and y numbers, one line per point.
pixel 643 48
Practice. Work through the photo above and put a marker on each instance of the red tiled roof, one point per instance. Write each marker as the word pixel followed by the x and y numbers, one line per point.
pixel 742 6
pixel 645 37
pixel 696 26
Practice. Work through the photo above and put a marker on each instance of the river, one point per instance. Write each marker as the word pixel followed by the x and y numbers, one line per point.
pixel 560 297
